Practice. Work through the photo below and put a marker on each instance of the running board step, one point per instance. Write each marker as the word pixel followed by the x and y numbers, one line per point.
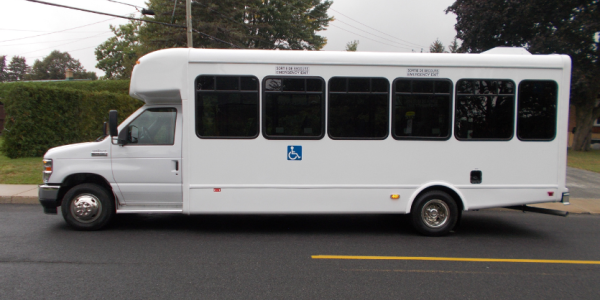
pixel 547 211
pixel 134 209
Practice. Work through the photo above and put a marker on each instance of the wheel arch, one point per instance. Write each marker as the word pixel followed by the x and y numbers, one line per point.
pixel 440 186
pixel 80 178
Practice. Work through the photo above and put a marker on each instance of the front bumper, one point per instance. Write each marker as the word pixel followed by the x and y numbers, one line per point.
pixel 48 196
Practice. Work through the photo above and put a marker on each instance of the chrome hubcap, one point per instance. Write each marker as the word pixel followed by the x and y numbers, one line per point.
pixel 435 213
pixel 86 208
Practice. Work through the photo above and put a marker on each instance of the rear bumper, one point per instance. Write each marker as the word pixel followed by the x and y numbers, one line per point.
pixel 565 198
pixel 48 196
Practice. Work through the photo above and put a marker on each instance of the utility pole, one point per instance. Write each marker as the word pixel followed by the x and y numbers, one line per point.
pixel 188 21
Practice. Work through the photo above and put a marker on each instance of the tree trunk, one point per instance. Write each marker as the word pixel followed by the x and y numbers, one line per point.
pixel 585 116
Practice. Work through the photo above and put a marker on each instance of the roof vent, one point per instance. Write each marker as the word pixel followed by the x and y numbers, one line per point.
pixel 507 51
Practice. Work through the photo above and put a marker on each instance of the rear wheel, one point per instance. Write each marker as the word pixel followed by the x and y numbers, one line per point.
pixel 434 213
pixel 88 207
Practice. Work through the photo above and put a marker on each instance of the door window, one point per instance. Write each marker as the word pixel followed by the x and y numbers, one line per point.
pixel 155 126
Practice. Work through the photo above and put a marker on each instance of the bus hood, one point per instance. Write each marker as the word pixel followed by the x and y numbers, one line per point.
pixel 80 150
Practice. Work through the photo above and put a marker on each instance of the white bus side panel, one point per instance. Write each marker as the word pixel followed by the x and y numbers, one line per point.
pixel 514 172
pixel 278 200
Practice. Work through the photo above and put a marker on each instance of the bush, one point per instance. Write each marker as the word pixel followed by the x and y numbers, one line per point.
pixel 40 116
pixel 113 86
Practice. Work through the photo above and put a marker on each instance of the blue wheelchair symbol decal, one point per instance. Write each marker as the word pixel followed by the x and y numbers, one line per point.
pixel 294 153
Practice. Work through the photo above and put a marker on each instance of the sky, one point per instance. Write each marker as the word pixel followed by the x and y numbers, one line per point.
pixel 33 30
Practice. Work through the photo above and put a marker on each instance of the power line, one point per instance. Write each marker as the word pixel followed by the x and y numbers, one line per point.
pixel 39 42
pixel 387 40
pixel 93 36
pixel 69 51
pixel 234 21
pixel 106 14
pixel 136 7
pixel 131 18
pixel 374 28
pixel 369 38
pixel 28 37
pixel 215 39
pixel 11 29
pixel 74 39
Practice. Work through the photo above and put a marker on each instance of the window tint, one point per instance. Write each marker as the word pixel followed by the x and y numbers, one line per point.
pixel 293 108
pixel 484 109
pixel 536 119
pixel 155 126
pixel 227 106
pixel 358 108
pixel 422 109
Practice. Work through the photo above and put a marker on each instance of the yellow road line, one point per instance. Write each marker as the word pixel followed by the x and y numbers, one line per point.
pixel 539 261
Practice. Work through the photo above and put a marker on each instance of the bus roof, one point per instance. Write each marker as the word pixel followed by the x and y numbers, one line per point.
pixel 161 76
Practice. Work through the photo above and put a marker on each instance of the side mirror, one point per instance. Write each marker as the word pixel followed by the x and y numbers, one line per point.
pixel 105 129
pixel 123 138
pixel 134 134
pixel 112 123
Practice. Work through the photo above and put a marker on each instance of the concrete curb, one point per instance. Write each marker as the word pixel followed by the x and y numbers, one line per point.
pixel 19 200
pixel 577 206
pixel 19 194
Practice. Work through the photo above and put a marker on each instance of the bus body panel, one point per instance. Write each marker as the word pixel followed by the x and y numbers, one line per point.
pixel 344 176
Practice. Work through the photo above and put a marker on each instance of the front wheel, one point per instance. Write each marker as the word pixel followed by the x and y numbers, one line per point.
pixel 434 213
pixel 87 207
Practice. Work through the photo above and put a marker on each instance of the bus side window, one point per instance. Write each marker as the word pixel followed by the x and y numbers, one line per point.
pixel 358 108
pixel 536 118
pixel 227 107
pixel 484 109
pixel 293 108
pixel 422 109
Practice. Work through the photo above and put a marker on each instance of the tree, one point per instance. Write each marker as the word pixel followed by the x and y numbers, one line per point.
pixel 352 45
pixel 542 27
pixel 454 47
pixel 18 69
pixel 3 71
pixel 117 55
pixel 437 47
pixel 55 64
pixel 255 24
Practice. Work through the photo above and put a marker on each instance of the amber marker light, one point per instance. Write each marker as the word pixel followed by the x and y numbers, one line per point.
pixel 47 165
pixel 395 196
pixel 47 170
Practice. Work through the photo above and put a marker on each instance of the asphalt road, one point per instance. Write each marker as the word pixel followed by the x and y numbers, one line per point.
pixel 269 257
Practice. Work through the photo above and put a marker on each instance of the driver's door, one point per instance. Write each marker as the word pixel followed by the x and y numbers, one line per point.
pixel 147 168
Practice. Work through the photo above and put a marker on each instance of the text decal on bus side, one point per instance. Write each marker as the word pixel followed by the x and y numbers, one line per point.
pixel 294 152
pixel 421 72
pixel 292 70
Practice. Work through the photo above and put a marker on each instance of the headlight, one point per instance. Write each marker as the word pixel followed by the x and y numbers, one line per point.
pixel 47 170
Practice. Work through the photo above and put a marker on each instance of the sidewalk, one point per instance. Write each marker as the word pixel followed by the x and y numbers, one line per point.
pixel 19 194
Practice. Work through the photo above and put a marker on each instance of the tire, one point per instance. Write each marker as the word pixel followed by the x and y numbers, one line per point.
pixel 88 207
pixel 434 213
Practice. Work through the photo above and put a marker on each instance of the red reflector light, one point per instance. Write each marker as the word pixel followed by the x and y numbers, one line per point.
pixel 217 190
pixel 550 194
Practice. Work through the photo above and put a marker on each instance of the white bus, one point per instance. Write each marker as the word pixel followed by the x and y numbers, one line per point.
pixel 308 132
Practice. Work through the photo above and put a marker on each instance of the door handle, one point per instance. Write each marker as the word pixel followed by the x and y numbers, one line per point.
pixel 176 165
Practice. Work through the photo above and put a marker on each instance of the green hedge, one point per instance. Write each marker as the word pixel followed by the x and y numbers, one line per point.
pixel 113 86
pixel 41 116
